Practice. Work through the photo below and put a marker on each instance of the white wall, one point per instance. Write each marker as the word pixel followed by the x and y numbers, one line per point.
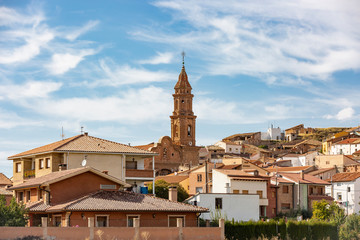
pixel 229 147
pixel 353 197
pixel 219 181
pixel 346 149
pixel 234 206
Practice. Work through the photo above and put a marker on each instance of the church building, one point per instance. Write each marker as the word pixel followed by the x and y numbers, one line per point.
pixel 180 149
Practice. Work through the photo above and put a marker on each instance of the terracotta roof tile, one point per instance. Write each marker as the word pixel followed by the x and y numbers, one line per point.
pixel 319 171
pixel 349 141
pixel 308 179
pixel 38 206
pixel 288 169
pixel 172 178
pixel 124 201
pixel 85 143
pixel 146 147
pixel 4 191
pixel 345 177
pixel 61 175
pixel 4 180
pixel 233 166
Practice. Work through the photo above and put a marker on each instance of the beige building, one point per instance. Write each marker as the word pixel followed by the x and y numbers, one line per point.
pixel 328 161
pixel 116 159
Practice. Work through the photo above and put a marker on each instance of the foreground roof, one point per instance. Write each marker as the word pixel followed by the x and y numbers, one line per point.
pixel 84 143
pixel 62 175
pixel 4 180
pixel 117 201
pixel 345 177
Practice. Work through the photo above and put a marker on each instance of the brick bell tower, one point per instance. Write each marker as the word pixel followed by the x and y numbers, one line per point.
pixel 183 118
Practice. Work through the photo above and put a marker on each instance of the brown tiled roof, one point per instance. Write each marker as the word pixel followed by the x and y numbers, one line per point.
pixel 308 179
pixel 61 175
pixel 292 155
pixel 310 142
pixel 296 127
pixel 172 178
pixel 349 141
pixel 345 177
pixel 85 143
pixel 287 169
pixel 145 147
pixel 124 201
pixel 4 191
pixel 280 180
pixel 319 171
pixel 233 166
pixel 240 135
pixel 38 206
pixel 4 180
pixel 239 173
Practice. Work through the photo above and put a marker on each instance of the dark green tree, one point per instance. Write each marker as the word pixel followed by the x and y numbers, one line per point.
pixel 351 228
pixel 14 214
pixel 162 190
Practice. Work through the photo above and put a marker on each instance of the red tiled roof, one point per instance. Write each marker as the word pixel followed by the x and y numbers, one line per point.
pixel 84 143
pixel 123 201
pixel 288 169
pixel 146 147
pixel 233 166
pixel 308 179
pixel 4 180
pixel 61 175
pixel 349 141
pixel 240 173
pixel 319 171
pixel 172 178
pixel 345 177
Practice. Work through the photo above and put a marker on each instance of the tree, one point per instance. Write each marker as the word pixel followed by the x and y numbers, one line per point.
pixel 328 212
pixel 162 190
pixel 351 228
pixel 13 215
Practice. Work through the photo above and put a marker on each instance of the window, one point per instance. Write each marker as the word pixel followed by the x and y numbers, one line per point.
pixel 130 220
pixel 173 221
pixel 102 221
pixel 18 167
pixel 236 191
pixel 285 206
pixel 199 177
pixel 321 191
pixel 47 162
pixel 21 196
pixel 199 189
pixel 273 194
pixel 285 189
pixel 28 196
pixel 327 162
pixel 57 220
pixel 131 164
pixel 260 193
pixel 218 203
pixel 245 191
pixel 230 149
pixel 339 196
pixel 41 163
pixel 189 130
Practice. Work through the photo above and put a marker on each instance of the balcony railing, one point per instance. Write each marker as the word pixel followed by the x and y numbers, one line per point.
pixel 29 174
pixel 136 173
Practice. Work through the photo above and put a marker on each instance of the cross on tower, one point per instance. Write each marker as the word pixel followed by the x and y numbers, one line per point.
pixel 183 57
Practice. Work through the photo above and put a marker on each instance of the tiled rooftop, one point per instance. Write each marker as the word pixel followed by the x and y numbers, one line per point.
pixel 308 179
pixel 84 143
pixel 287 169
pixel 119 201
pixel 4 180
pixel 349 141
pixel 345 177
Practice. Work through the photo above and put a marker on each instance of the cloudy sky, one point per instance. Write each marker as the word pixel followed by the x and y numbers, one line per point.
pixel 110 66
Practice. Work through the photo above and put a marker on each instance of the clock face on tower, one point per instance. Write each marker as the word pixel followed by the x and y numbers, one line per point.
pixel 190 143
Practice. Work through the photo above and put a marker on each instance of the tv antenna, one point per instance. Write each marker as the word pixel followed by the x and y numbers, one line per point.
pixel 62 133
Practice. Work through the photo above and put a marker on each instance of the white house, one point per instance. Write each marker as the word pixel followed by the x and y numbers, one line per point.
pixel 240 182
pixel 292 157
pixel 346 147
pixel 308 159
pixel 230 147
pixel 271 134
pixel 345 189
pixel 240 207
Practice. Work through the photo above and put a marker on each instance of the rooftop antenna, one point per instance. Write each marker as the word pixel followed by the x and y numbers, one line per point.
pixel 62 133
pixel 82 130
pixel 183 57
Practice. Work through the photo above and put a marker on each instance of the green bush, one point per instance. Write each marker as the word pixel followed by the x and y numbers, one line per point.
pixel 13 215
pixel 351 228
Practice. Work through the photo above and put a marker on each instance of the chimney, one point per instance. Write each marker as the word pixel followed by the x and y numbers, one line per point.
pixel 302 174
pixel 173 193
pixel 62 166
pixel 106 172
pixel 86 133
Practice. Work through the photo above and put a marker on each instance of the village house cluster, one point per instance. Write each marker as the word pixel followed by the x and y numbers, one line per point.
pixel 245 176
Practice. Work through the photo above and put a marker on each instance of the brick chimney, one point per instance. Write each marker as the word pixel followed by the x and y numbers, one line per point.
pixel 173 193
pixel 302 174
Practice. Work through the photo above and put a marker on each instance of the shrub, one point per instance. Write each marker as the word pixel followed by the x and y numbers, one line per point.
pixel 351 228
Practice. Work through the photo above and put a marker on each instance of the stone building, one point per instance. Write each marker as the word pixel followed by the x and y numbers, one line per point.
pixel 180 149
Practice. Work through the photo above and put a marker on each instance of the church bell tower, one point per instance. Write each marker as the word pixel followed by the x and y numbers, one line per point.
pixel 183 118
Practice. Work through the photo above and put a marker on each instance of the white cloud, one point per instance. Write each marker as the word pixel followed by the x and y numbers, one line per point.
pixel 117 75
pixel 344 114
pixel 279 38
pixel 30 89
pixel 132 107
pixel 78 32
pixel 160 58
pixel 10 120
pixel 61 63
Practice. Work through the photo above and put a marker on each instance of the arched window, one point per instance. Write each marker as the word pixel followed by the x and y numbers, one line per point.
pixel 189 130
pixel 176 131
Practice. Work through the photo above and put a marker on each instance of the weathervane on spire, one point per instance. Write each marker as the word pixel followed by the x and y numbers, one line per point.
pixel 183 57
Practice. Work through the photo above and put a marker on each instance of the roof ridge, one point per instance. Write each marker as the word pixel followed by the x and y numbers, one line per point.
pixel 73 138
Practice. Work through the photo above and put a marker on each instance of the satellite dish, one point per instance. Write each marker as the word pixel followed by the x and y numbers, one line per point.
pixel 83 163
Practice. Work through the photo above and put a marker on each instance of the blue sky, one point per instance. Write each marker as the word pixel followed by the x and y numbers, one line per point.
pixel 111 66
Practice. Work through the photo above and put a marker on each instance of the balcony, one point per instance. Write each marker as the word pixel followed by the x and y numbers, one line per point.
pixel 29 174
pixel 136 173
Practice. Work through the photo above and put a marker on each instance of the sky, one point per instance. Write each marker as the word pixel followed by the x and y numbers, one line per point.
pixel 111 67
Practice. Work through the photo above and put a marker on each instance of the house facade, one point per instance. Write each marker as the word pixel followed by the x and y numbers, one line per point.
pixel 119 160
pixel 70 197
pixel 346 147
